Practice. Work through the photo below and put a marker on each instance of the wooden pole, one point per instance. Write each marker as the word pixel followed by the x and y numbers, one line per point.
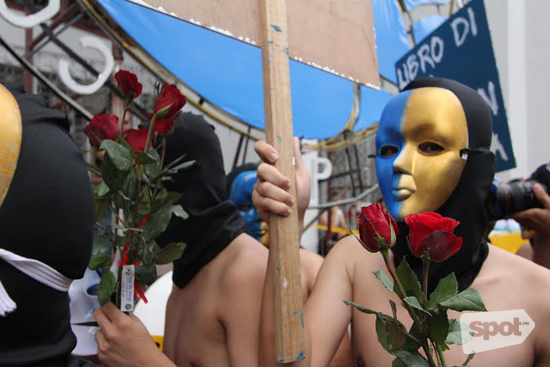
pixel 284 232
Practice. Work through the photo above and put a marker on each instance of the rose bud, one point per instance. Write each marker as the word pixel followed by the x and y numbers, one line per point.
pixel 101 127
pixel 137 139
pixel 171 96
pixel 376 228
pixel 128 83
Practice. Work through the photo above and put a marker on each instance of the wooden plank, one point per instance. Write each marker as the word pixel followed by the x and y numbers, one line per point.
pixel 332 35
pixel 284 232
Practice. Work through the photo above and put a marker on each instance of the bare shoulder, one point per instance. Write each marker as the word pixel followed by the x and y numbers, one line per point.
pixel 310 261
pixel 516 269
pixel 245 264
pixel 349 253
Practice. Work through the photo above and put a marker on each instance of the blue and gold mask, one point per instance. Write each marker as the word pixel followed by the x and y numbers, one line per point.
pixel 432 154
pixel 420 138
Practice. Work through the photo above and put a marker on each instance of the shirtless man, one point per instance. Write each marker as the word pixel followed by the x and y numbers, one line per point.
pixel 432 155
pixel 213 313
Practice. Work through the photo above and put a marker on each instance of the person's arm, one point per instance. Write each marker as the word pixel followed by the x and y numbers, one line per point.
pixel 326 316
pixel 123 341
pixel 538 219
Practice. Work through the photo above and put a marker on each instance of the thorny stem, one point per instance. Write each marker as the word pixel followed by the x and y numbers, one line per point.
pixel 441 357
pixel 425 274
pixel 150 132
pixel 127 104
pixel 412 313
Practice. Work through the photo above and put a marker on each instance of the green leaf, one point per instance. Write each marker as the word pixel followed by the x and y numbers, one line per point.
pixel 446 289
pixel 468 300
pixel 170 252
pixel 408 279
pixel 146 274
pixel 389 335
pixel 397 363
pixel 149 157
pixel 174 196
pixel 438 327
pixel 153 169
pixel 101 208
pixel 381 276
pixel 179 212
pixel 161 199
pixel 101 251
pixel 361 308
pixel 455 332
pixel 119 155
pixel 118 181
pixel 413 301
pixel 101 190
pixel 411 359
pixel 162 112
pixel 157 222
pixel 144 206
pixel 412 345
pixel 180 167
pixel 106 287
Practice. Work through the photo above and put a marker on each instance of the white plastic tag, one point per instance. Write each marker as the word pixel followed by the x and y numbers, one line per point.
pixel 127 288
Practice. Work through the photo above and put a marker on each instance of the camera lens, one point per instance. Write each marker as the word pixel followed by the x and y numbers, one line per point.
pixel 512 197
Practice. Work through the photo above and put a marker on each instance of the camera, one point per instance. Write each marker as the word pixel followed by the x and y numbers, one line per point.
pixel 515 196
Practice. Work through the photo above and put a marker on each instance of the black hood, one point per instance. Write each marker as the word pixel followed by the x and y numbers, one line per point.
pixel 213 220
pixel 467 202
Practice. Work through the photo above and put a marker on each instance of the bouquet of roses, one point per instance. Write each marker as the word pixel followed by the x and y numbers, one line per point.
pixel 132 192
pixel 431 239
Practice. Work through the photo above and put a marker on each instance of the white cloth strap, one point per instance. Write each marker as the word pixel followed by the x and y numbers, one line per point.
pixel 35 269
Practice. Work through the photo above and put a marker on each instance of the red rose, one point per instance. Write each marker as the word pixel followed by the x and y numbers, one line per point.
pixel 101 127
pixel 137 139
pixel 164 126
pixel 432 234
pixel 171 96
pixel 128 83
pixel 376 225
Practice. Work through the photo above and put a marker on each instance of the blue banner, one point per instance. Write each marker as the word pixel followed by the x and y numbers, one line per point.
pixel 461 49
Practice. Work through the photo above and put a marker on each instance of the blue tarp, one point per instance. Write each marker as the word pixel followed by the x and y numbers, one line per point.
pixel 410 4
pixel 228 73
pixel 425 26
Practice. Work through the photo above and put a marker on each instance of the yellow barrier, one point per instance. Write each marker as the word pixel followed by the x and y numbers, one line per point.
pixel 510 242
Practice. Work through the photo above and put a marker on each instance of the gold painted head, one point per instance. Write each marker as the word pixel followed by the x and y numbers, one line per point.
pixel 10 139
pixel 418 150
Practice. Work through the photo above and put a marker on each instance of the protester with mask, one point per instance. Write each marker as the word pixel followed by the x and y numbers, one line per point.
pixel 432 154
pixel 46 229
pixel 240 185
pixel 213 313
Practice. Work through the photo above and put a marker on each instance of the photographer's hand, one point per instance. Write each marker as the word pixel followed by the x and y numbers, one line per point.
pixel 538 219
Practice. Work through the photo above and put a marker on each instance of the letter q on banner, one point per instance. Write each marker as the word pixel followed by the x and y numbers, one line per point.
pixel 31 20
pixel 67 79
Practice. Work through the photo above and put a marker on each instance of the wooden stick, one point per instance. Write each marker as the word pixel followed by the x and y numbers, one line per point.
pixel 284 232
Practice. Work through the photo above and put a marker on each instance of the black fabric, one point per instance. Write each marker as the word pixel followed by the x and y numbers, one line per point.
pixel 213 220
pixel 467 203
pixel 48 216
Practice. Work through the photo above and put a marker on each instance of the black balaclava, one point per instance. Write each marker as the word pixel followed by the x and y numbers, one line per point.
pixel 213 220
pixel 48 215
pixel 467 202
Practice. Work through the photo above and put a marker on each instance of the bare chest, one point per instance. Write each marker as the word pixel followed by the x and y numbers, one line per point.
pixel 367 350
